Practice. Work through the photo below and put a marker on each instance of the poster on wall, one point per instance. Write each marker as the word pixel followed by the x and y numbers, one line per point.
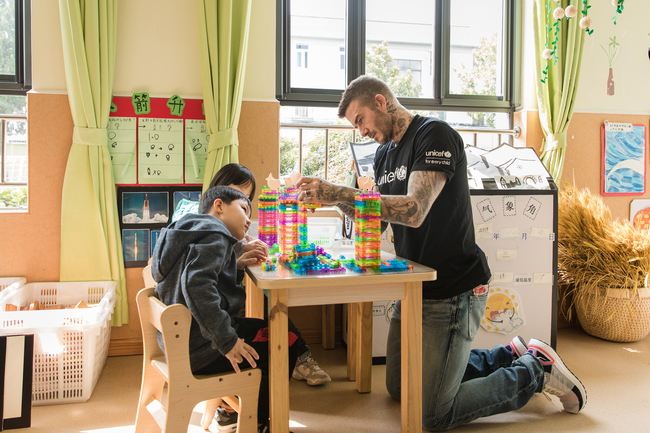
pixel 157 141
pixel 624 156
pixel 640 214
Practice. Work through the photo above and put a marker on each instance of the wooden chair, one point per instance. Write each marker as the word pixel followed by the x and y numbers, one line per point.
pixel 211 405
pixel 169 390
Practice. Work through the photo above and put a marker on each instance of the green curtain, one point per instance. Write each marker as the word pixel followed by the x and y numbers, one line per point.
pixel 556 97
pixel 91 247
pixel 223 27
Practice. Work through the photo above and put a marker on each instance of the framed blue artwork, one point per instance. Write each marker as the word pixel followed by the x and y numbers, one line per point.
pixel 624 159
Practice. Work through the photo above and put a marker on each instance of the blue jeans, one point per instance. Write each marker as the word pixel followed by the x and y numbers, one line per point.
pixel 459 384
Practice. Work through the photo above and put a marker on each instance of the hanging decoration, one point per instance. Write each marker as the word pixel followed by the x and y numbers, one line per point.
pixel 619 8
pixel 569 12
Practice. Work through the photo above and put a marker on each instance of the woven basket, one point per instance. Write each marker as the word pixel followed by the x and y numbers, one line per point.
pixel 630 320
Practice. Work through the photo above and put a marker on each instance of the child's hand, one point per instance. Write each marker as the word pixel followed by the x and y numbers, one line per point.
pixel 250 258
pixel 239 352
pixel 254 252
pixel 256 244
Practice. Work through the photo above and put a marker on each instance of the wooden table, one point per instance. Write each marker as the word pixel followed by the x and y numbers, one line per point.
pixel 286 289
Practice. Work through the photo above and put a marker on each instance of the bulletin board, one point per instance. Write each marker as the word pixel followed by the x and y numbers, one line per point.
pixel 157 141
pixel 624 159
pixel 516 229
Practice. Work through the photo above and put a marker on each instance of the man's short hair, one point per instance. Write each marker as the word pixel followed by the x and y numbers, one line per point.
pixel 225 193
pixel 364 89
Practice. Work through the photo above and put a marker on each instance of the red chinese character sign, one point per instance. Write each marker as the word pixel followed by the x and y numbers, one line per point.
pixel 157 141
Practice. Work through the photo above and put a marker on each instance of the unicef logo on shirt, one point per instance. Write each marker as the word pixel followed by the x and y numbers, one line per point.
pixel 400 173
pixel 447 154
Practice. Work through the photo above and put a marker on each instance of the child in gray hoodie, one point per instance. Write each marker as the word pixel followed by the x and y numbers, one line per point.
pixel 195 264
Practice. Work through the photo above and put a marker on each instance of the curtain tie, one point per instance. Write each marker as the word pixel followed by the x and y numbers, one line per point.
pixel 90 136
pixel 223 138
pixel 553 142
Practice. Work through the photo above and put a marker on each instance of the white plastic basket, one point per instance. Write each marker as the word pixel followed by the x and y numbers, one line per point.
pixel 9 284
pixel 70 346
pixel 322 230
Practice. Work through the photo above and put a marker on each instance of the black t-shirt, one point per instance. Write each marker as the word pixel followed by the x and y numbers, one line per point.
pixel 445 240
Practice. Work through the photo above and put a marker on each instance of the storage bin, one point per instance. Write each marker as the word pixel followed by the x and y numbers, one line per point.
pixel 7 284
pixel 322 230
pixel 70 345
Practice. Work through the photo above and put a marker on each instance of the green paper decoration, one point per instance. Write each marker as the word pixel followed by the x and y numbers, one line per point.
pixel 176 105
pixel 141 103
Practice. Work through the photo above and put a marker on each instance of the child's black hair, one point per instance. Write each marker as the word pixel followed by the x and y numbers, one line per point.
pixel 225 193
pixel 234 174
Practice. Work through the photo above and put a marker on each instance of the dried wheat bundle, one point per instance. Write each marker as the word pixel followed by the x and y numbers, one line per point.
pixel 596 252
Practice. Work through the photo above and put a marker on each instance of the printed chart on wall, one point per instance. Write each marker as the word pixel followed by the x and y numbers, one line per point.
pixel 157 141
pixel 624 159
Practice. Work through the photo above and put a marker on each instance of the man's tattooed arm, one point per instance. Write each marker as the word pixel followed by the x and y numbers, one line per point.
pixel 347 209
pixel 411 209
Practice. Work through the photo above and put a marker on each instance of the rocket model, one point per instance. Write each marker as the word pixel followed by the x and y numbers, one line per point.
pixel 145 209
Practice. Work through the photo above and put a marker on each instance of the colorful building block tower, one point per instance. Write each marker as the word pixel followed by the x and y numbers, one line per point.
pixel 288 216
pixel 367 227
pixel 268 216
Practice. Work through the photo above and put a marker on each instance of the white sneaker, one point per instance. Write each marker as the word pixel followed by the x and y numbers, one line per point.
pixel 307 369
pixel 517 347
pixel 558 379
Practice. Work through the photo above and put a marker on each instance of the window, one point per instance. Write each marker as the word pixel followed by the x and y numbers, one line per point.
pixel 455 60
pixel 460 55
pixel 15 81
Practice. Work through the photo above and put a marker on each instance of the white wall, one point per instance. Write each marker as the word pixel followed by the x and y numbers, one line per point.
pixel 631 70
pixel 158 52
pixel 157 49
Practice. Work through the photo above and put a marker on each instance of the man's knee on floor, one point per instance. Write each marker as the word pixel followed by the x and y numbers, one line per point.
pixel 431 423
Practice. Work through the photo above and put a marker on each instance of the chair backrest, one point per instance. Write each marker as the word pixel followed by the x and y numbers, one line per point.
pixel 148 277
pixel 174 323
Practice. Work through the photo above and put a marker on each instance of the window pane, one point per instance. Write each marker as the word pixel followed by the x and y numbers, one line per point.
pixel 13 197
pixel 13 104
pixel 313 152
pixel 339 156
pixel 289 151
pixel 317 34
pixel 399 45
pixel 8 37
pixel 16 151
pixel 476 51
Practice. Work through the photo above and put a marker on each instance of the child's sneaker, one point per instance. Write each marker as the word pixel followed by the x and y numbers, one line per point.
pixel 558 379
pixel 226 421
pixel 517 347
pixel 307 369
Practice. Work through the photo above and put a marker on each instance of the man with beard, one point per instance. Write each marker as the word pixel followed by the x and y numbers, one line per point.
pixel 421 173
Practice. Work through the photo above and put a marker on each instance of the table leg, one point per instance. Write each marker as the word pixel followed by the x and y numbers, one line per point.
pixel 254 299
pixel 352 341
pixel 364 347
pixel 412 358
pixel 278 361
pixel 328 326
